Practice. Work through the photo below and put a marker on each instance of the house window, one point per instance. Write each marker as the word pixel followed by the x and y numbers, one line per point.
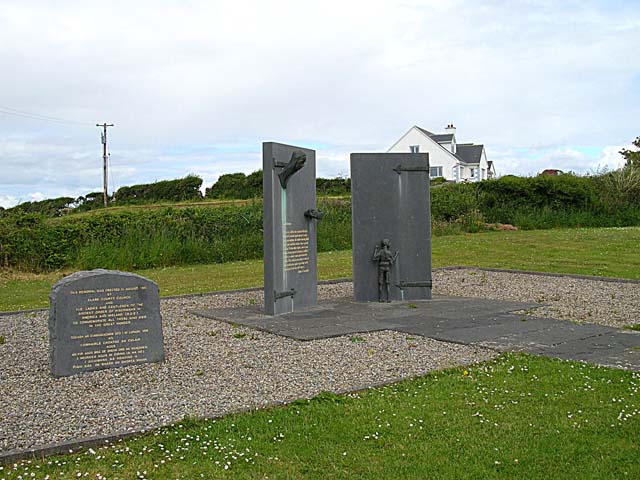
pixel 415 148
pixel 435 172
pixel 483 174
pixel 473 172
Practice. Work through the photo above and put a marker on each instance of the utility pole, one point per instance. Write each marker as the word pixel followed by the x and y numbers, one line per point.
pixel 104 159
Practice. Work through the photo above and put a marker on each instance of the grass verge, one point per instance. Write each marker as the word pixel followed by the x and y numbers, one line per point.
pixel 608 252
pixel 517 417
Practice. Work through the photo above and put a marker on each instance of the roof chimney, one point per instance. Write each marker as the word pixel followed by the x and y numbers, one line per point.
pixel 450 129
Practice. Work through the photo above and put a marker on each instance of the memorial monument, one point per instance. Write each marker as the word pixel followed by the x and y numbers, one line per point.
pixel 391 226
pixel 289 228
pixel 103 319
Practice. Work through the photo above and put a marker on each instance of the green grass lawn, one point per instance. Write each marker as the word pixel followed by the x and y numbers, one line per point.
pixel 203 203
pixel 609 252
pixel 517 417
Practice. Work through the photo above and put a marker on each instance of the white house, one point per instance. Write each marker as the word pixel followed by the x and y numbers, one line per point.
pixel 458 162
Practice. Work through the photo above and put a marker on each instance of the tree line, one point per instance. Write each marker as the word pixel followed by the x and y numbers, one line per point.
pixel 619 184
pixel 228 186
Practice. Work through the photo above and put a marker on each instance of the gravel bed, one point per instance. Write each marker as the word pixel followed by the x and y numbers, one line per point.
pixel 210 370
pixel 614 304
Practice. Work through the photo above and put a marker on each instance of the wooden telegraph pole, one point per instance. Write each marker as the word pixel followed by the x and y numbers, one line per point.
pixel 104 159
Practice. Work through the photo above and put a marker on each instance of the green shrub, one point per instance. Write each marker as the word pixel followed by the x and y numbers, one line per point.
pixel 333 186
pixel 239 186
pixel 53 207
pixel 178 190
pixel 175 236
pixel 236 186
pixel 620 187
pixel 152 238
pixel 557 192
pixel 453 201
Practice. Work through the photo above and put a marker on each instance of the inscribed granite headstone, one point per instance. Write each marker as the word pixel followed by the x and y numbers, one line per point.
pixel 103 319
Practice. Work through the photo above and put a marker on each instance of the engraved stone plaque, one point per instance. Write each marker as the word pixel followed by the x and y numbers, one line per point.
pixel 390 201
pixel 290 228
pixel 103 319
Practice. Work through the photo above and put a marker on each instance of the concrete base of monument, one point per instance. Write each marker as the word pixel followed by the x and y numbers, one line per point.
pixel 434 318
pixel 494 324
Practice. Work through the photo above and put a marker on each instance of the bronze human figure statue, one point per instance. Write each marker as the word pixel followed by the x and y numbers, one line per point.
pixel 297 161
pixel 385 260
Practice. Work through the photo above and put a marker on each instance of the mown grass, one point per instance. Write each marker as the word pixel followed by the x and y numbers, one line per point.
pixel 516 417
pixel 610 252
pixel 205 202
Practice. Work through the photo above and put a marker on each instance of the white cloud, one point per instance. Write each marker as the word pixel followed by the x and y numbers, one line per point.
pixel 7 201
pixel 530 162
pixel 546 77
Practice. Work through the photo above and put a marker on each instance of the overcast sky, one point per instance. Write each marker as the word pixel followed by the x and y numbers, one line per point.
pixel 197 86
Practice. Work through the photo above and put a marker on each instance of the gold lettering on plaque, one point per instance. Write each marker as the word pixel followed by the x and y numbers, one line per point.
pixel 112 309
pixel 297 251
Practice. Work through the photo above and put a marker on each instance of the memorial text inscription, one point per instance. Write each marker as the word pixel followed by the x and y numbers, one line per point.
pixel 297 251
pixel 102 325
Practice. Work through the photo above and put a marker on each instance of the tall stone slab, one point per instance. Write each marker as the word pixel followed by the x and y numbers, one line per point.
pixel 390 200
pixel 290 228
pixel 103 319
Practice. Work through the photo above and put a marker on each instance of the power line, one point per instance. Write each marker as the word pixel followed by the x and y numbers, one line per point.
pixel 36 116
pixel 33 117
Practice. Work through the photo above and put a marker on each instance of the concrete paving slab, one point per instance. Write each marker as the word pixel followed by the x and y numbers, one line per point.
pixel 464 326
pixel 488 323
pixel 629 359
pixel 512 327
pixel 555 333
pixel 610 343
pixel 346 315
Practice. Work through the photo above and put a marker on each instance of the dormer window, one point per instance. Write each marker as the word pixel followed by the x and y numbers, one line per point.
pixel 415 148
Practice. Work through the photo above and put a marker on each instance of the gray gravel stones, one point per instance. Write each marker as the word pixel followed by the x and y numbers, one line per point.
pixel 614 304
pixel 212 368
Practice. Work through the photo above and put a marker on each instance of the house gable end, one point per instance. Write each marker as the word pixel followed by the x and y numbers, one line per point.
pixel 429 136
pixel 423 132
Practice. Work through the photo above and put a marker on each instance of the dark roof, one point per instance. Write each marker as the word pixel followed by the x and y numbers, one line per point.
pixel 426 132
pixel 442 137
pixel 466 152
pixel 438 137
pixel 469 153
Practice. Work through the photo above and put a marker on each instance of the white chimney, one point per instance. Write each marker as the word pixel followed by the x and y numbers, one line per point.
pixel 451 129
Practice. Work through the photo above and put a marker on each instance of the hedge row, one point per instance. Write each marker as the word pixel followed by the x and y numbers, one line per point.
pixel 179 190
pixel 241 186
pixel 610 199
pixel 155 238
pixel 149 238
